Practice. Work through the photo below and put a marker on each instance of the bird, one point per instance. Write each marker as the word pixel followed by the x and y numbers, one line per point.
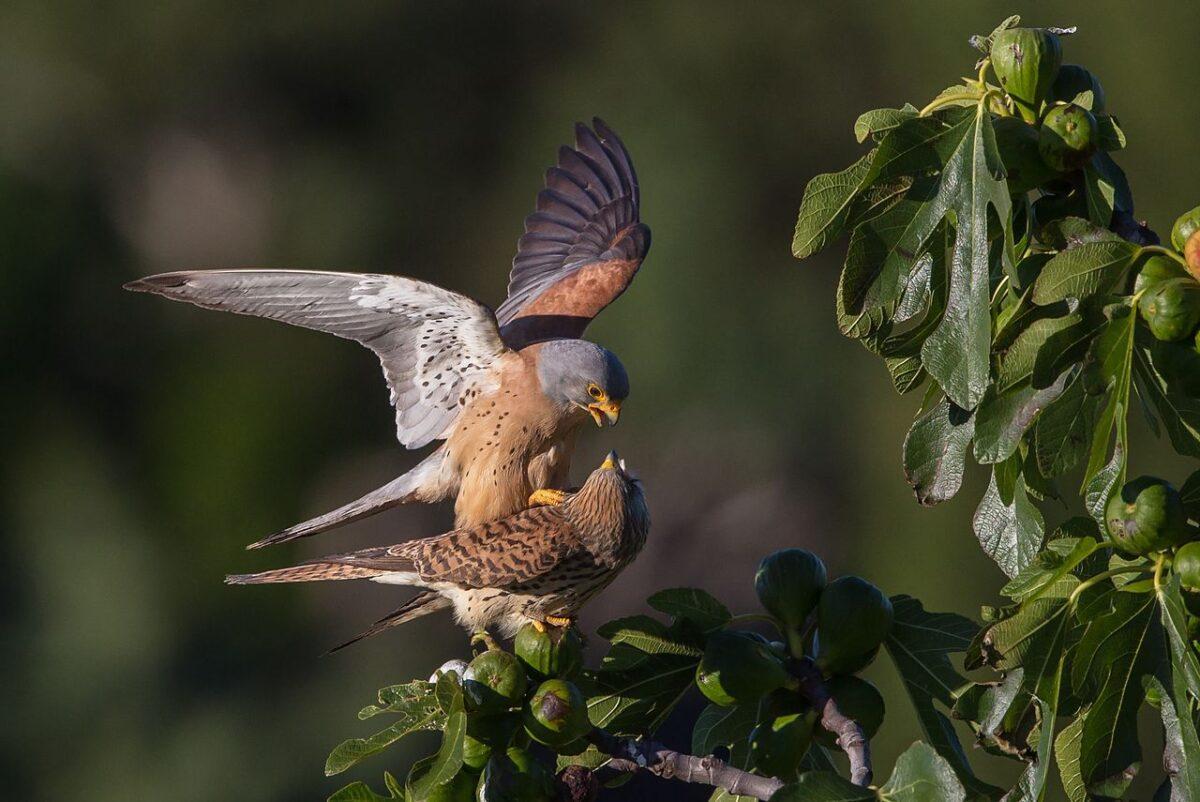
pixel 506 392
pixel 540 565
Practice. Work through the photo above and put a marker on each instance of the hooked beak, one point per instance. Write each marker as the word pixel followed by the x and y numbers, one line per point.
pixel 612 462
pixel 604 410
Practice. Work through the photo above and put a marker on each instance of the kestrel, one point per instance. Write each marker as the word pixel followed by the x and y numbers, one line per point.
pixel 541 564
pixel 508 391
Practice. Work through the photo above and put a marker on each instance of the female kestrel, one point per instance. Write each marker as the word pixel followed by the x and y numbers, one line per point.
pixel 541 564
pixel 507 391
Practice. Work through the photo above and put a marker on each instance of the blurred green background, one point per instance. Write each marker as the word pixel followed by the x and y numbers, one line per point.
pixel 146 442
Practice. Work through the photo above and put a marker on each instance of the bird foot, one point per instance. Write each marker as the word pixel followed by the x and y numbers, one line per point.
pixel 559 621
pixel 486 640
pixel 545 497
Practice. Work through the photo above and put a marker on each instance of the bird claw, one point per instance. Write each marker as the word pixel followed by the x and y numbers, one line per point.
pixel 559 621
pixel 545 497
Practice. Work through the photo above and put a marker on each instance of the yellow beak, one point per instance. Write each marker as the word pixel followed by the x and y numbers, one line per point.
pixel 604 410
pixel 611 462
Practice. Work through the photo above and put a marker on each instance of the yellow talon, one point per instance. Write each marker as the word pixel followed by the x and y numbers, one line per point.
pixel 558 621
pixel 545 497
pixel 539 626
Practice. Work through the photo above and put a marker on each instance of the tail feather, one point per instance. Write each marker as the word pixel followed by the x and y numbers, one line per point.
pixel 428 481
pixel 423 603
pixel 306 572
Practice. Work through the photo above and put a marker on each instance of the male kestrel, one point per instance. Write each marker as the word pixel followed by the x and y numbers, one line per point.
pixel 507 391
pixel 541 564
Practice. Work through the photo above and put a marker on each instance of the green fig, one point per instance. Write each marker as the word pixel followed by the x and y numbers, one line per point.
pixel 853 619
pixel 557 713
pixel 738 669
pixel 1146 516
pixel 788 584
pixel 1185 225
pixel 553 652
pixel 857 699
pixel 1191 254
pixel 1024 167
pixel 781 702
pixel 515 776
pixel 1068 137
pixel 494 682
pixel 778 744
pixel 1156 269
pixel 1171 308
pixel 1187 565
pixel 1026 62
pixel 1073 80
pixel 487 734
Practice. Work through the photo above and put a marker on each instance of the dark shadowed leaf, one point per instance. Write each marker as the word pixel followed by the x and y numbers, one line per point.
pixel 1113 655
pixel 823 786
pixel 692 604
pixel 1063 431
pixel 1060 557
pixel 721 726
pixel 921 775
pixel 1181 749
pixel 1002 420
pixel 920 645
pixel 935 452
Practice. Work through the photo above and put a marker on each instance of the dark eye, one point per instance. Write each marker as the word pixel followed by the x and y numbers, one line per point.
pixel 594 391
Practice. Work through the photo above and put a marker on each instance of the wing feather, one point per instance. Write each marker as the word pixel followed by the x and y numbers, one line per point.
pixel 582 245
pixel 435 345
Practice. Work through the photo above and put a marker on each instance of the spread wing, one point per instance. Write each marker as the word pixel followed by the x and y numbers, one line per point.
pixel 581 247
pixel 499 554
pixel 438 348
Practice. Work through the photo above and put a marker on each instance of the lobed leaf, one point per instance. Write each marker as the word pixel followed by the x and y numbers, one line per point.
pixel 827 201
pixel 921 774
pixel 692 604
pixel 1010 532
pixel 935 452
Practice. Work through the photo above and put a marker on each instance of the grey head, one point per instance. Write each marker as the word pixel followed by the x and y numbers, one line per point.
pixel 582 375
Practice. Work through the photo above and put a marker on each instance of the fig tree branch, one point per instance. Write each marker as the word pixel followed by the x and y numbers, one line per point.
pixel 634 754
pixel 850 736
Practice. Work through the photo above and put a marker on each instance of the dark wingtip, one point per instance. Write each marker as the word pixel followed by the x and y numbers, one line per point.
pixel 157 283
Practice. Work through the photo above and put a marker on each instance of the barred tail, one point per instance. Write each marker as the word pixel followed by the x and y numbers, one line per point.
pixel 307 572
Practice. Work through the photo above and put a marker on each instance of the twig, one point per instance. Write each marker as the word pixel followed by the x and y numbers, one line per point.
pixel 850 736
pixel 632 754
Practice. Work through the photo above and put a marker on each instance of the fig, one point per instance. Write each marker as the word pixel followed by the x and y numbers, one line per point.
pixel 1187 565
pixel 515 776
pixel 1186 224
pixel 1171 308
pixel 1191 254
pixel 494 682
pixel 1073 80
pixel 781 702
pixel 1155 270
pixel 485 735
pixel 1026 62
pixel 554 652
pixel 1146 516
pixel 778 744
pixel 557 713
pixel 738 669
pixel 1024 167
pixel 857 699
pixel 853 619
pixel 1068 137
pixel 788 584
pixel 459 788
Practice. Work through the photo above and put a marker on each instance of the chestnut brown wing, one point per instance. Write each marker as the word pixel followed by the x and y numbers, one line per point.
pixel 581 247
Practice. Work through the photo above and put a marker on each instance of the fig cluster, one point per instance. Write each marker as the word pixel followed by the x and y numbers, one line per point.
pixel 838 625
pixel 1056 105
pixel 515 701
pixel 1167 284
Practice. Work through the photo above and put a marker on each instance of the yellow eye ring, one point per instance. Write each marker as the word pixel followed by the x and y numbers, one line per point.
pixel 595 392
